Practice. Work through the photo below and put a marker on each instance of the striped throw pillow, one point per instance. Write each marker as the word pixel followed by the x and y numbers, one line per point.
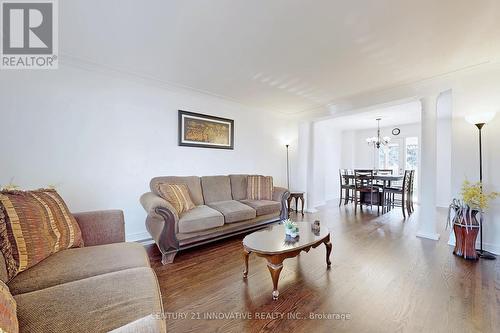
pixel 8 311
pixel 34 225
pixel 260 188
pixel 177 195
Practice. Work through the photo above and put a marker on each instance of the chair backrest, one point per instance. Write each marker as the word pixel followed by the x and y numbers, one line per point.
pixel 363 170
pixel 407 181
pixel 344 180
pixel 384 172
pixel 363 178
pixel 411 182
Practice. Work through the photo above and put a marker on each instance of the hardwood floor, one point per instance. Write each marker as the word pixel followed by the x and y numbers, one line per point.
pixel 383 279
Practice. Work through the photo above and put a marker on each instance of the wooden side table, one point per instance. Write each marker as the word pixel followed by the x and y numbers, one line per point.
pixel 298 196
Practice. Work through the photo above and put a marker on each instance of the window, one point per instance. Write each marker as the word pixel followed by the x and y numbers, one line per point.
pixel 388 158
pixel 411 153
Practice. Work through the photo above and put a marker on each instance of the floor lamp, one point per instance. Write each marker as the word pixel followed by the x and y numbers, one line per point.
pixel 287 168
pixel 480 120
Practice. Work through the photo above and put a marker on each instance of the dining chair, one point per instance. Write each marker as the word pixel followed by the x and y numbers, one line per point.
pixel 404 190
pixel 346 186
pixel 382 172
pixel 411 194
pixel 364 183
pixel 385 172
pixel 364 170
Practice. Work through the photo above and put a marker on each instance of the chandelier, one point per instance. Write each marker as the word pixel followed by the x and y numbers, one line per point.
pixel 377 141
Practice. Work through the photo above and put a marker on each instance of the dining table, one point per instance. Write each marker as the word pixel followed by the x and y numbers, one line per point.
pixel 386 181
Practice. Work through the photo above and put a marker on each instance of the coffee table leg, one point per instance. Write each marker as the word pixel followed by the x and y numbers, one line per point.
pixel 245 256
pixel 275 270
pixel 328 251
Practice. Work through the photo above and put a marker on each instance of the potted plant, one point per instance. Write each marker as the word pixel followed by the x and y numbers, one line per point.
pixel 463 214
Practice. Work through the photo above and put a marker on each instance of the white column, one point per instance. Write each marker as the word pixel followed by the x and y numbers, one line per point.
pixel 305 164
pixel 310 199
pixel 427 214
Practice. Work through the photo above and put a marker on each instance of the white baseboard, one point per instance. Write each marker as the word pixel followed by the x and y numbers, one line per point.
pixel 319 204
pixel 493 248
pixel 139 237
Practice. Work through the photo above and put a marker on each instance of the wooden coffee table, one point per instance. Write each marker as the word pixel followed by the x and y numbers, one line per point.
pixel 271 244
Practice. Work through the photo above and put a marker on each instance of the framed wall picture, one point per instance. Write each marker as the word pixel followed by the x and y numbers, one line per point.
pixel 201 130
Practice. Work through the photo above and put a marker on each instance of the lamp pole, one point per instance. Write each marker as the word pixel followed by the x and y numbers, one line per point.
pixel 481 253
pixel 287 168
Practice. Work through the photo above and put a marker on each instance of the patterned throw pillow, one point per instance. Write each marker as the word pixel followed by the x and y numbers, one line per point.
pixel 177 195
pixel 8 309
pixel 260 188
pixel 34 225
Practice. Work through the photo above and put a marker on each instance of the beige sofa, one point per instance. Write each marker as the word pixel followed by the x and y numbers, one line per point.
pixel 222 210
pixel 108 285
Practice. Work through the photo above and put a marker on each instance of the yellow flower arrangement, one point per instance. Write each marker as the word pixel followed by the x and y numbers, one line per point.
pixel 474 197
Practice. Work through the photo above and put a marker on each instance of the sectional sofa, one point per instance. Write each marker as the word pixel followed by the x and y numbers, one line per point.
pixel 222 210
pixel 108 285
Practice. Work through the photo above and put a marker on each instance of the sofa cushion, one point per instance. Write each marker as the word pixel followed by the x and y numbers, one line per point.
pixel 177 195
pixel 34 225
pixel 192 182
pixel 263 207
pixel 200 218
pixel 148 324
pixel 216 188
pixel 96 304
pixel 260 188
pixel 239 186
pixel 8 316
pixel 234 211
pixel 76 264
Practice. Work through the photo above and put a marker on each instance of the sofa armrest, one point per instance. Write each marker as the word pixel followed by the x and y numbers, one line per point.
pixel 101 227
pixel 162 223
pixel 151 202
pixel 282 194
pixel 278 193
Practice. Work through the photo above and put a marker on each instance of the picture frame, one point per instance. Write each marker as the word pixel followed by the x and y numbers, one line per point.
pixel 205 131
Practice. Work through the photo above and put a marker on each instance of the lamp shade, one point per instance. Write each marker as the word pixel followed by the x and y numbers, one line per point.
pixel 480 118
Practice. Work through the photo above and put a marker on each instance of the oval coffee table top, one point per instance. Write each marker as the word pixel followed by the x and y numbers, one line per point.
pixel 272 240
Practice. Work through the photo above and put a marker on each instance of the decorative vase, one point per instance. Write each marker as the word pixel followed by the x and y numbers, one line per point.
pixel 465 236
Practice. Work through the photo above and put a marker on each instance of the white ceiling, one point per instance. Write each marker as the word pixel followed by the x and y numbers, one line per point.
pixel 284 55
pixel 396 115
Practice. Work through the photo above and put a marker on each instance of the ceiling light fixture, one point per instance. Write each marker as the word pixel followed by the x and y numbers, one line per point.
pixel 377 141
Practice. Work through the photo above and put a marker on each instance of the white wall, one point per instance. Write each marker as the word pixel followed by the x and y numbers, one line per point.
pixel 101 138
pixel 443 149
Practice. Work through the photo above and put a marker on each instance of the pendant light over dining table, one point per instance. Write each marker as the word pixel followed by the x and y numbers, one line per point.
pixel 377 141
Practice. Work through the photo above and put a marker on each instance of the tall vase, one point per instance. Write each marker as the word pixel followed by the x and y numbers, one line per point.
pixel 465 235
pixel 459 241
